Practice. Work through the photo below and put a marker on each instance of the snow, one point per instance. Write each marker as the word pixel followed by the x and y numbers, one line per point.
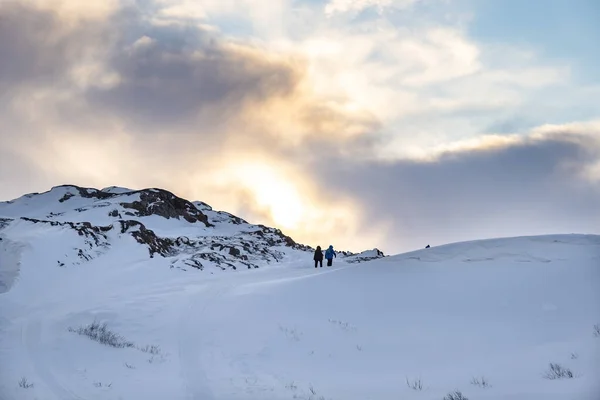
pixel 10 261
pixel 503 309
pixel 73 207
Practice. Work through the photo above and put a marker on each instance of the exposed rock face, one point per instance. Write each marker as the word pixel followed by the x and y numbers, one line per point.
pixel 222 251
pixel 87 193
pixel 167 205
pixel 152 202
pixel 274 237
pixel 162 246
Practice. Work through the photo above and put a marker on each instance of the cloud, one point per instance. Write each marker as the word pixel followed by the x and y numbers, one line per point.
pixel 170 78
pixel 242 16
pixel 36 46
pixel 338 132
pixel 496 186
pixel 355 6
pixel 74 11
pixel 431 83
pixel 158 101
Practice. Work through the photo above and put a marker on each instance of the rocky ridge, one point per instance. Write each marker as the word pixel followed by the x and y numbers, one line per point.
pixel 190 234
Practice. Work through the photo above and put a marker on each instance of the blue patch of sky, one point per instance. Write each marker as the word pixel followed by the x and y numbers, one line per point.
pixel 562 31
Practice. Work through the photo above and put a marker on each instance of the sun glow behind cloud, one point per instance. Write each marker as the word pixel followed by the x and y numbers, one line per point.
pixel 271 190
pixel 284 195
pixel 249 107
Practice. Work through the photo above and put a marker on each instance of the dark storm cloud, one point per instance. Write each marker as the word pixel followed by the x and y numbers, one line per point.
pixel 181 70
pixel 169 81
pixel 168 77
pixel 24 49
pixel 532 187
pixel 36 49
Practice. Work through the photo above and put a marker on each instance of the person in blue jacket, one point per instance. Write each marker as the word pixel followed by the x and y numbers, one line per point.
pixel 329 254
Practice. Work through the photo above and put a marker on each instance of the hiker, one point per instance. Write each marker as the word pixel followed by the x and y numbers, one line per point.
pixel 329 254
pixel 318 256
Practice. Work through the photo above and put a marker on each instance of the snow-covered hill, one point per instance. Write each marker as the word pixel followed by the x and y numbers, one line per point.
pixel 84 223
pixel 489 319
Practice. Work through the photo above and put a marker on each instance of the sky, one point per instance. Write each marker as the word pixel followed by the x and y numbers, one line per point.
pixel 358 123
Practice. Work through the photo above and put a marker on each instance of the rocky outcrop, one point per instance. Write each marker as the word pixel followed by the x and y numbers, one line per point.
pixel 166 205
pixel 151 202
pixel 275 237
pixel 87 193
pixel 365 256
pixel 156 245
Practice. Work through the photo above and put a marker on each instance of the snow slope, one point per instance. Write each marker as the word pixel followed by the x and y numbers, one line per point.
pixel 502 309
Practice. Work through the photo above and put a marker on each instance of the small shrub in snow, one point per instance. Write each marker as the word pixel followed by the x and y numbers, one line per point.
pixel 156 358
pixel 129 366
pixel 100 384
pixel 481 382
pixel 101 334
pixel 152 349
pixel 597 330
pixel 293 334
pixel 574 356
pixel 416 384
pixel 313 394
pixel 23 383
pixel 343 325
pixel 557 371
pixel 301 394
pixel 456 395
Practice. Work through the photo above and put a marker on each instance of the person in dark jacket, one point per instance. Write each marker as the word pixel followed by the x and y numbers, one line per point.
pixel 329 254
pixel 318 256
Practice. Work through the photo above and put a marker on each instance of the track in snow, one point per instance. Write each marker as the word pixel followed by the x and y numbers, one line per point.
pixel 190 343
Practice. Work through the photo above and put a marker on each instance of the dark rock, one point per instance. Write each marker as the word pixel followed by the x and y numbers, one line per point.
pixel 88 193
pixel 142 235
pixel 232 218
pixel 66 197
pixel 234 252
pixel 166 205
pixel 4 222
pixel 182 241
